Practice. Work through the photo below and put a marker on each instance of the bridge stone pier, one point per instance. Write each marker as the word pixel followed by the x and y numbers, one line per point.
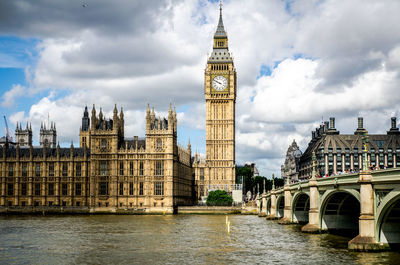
pixel 365 204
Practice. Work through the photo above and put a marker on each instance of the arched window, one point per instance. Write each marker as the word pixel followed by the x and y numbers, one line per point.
pixel 103 143
pixel 159 144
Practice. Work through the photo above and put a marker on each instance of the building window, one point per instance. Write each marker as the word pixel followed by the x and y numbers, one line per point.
pixel 10 170
pixel 159 144
pixel 372 150
pixel 64 189
pixel 141 188
pixel 159 168
pixel 201 173
pixel 121 168
pixel 78 169
pixel 78 189
pixel 37 189
pixel 10 189
pixel 37 170
pixel 103 144
pixel 380 144
pixel 51 189
pixel 141 168
pixel 24 169
pixel 51 170
pixel 103 188
pixel 130 188
pixel 121 188
pixel 103 168
pixel 65 169
pixel 131 168
pixel 23 189
pixel 159 188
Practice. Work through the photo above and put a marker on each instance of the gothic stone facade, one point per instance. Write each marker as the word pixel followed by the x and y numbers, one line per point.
pixel 217 170
pixel 290 169
pixel 107 173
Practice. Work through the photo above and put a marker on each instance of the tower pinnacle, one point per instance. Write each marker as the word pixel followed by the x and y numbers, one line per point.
pixel 220 29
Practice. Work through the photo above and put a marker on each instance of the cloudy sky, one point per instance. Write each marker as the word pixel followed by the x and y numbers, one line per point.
pixel 298 63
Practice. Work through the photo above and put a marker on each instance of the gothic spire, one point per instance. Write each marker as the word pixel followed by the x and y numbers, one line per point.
pixel 86 113
pixel 121 114
pixel 220 29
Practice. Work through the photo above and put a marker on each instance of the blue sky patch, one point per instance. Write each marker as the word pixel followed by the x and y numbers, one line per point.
pixel 17 52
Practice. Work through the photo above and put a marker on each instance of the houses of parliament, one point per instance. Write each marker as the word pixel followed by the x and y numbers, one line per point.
pixel 109 172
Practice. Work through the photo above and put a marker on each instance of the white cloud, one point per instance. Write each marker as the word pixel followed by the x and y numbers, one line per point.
pixel 348 64
pixel 10 96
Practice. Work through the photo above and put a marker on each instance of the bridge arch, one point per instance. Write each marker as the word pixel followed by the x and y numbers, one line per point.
pixel 280 206
pixel 300 207
pixel 340 211
pixel 388 219
pixel 268 205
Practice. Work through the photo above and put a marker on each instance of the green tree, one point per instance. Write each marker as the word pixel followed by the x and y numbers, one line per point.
pixel 219 198
pixel 244 174
pixel 250 183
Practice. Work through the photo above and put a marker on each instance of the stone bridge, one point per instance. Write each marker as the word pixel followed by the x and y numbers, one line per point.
pixel 365 204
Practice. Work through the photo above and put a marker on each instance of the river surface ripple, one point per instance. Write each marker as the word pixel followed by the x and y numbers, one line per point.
pixel 176 239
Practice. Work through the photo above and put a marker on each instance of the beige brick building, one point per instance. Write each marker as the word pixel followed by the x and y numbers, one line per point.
pixel 217 169
pixel 107 173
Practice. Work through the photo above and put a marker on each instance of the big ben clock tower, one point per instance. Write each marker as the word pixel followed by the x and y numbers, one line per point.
pixel 220 95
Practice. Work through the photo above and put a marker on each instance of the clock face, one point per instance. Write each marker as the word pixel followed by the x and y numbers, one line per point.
pixel 219 83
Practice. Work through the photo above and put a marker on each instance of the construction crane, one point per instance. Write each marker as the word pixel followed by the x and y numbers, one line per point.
pixel 8 137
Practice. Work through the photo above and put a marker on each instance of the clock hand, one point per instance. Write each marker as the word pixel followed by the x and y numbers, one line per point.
pixel 218 82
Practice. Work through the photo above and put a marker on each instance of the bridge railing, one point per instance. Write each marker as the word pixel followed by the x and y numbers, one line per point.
pixel 380 175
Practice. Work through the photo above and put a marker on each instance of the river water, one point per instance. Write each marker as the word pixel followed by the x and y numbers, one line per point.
pixel 173 239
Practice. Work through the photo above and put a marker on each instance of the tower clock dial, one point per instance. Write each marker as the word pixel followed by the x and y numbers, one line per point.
pixel 219 83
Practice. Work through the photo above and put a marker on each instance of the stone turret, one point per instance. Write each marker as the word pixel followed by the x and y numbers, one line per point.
pixel 115 119
pixel 93 117
pixel 85 120
pixel 121 122
pixel 48 136
pixel 84 133
pixel 148 118
pixel 23 137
